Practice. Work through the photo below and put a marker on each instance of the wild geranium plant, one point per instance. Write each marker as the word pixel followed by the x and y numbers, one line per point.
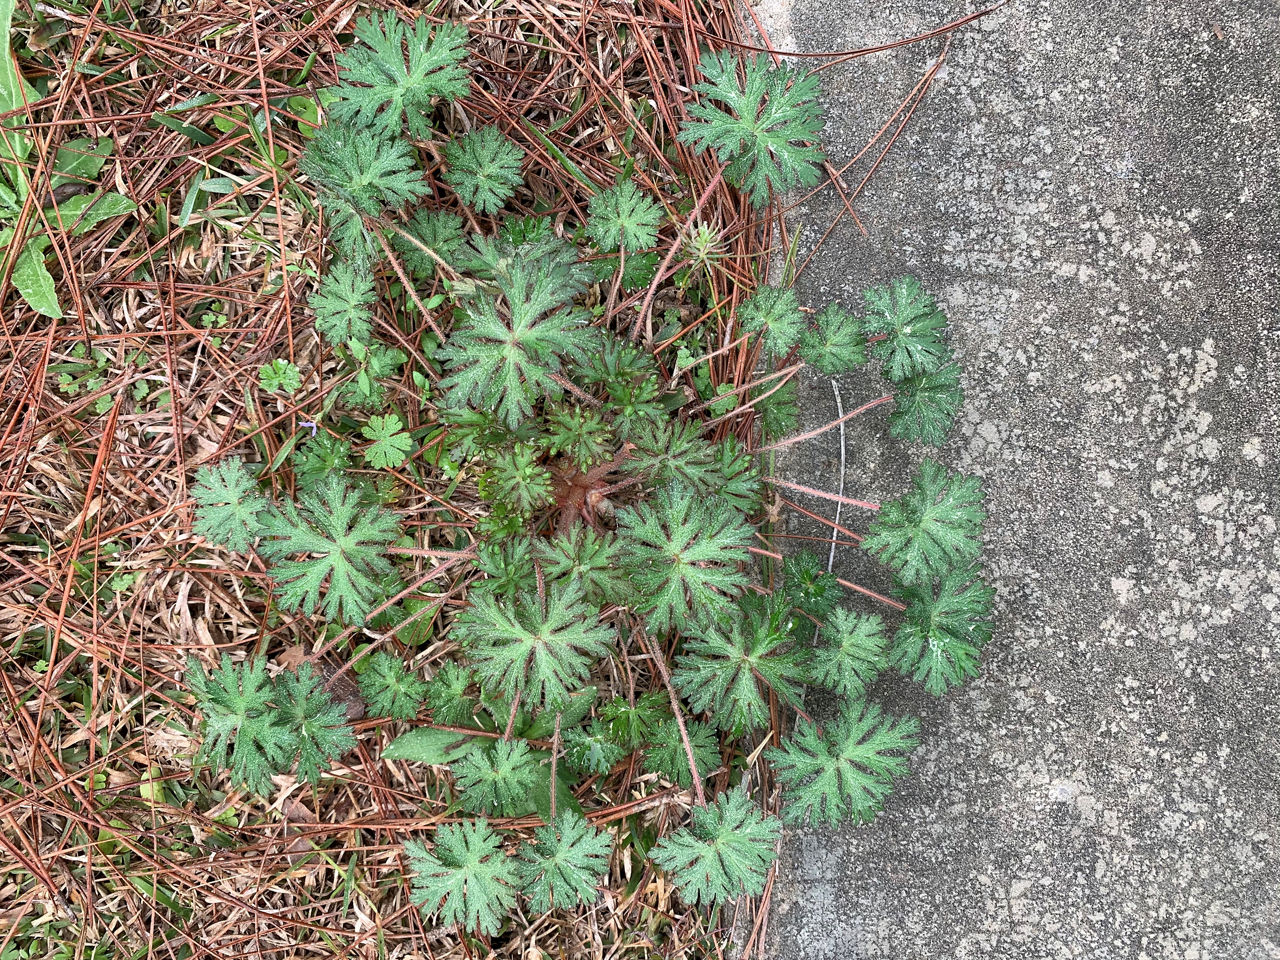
pixel 621 608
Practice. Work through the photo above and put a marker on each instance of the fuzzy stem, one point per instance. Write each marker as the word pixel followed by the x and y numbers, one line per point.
pixel 871 593
pixel 812 491
pixel 511 719
pixel 671 255
pixel 661 663
pixel 555 752
pixel 830 426
pixel 408 286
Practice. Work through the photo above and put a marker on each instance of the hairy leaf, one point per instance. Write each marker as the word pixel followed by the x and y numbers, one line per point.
pixel 942 634
pixel 359 175
pixel 934 527
pixel 540 649
pixel 775 315
pixel 390 689
pixel 382 89
pixel 847 772
pixel 229 507
pixel 729 671
pixel 623 217
pixel 850 654
pixel 910 326
pixel 243 734
pixel 724 853
pixel 466 879
pixel 497 779
pixel 838 344
pixel 343 304
pixel 682 553
pixel 484 169
pixel 505 352
pixel 590 751
pixel 318 724
pixel 766 132
pixel 666 756
pixel 925 406
pixel 563 864
pixel 345 544
pixel 389 445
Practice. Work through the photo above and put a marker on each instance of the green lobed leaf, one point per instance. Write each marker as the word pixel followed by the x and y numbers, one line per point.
pixel 944 629
pixel 846 772
pixel 389 445
pixel 564 863
pixel 466 878
pixel 344 542
pixel 934 527
pixel 909 325
pixel 765 132
pixel 725 851
pixel 229 507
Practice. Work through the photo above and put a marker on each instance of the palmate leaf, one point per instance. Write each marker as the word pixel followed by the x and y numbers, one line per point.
pixel 910 325
pixel 847 772
pixel 623 217
pixel 484 169
pixel 943 631
pixel 345 541
pixel 447 695
pixel 808 585
pixel 389 445
pixel 343 304
pixel 838 344
pixel 318 724
pixel 925 406
pixel 439 231
pixel 505 352
pixel 775 315
pixel 580 434
pixel 851 653
pixel 587 557
pixel 765 130
pixel 633 724
pixel 517 480
pixel 507 566
pixel 359 174
pixel 682 553
pixel 242 732
pixel 668 451
pixel 381 91
pixel 540 649
pixel 777 409
pixel 935 526
pixel 280 376
pixel 497 779
pixel 665 754
pixel 724 853
pixel 319 456
pixel 390 689
pixel 377 362
pixel 466 879
pixel 229 507
pixel 590 750
pixel 563 864
pixel 729 670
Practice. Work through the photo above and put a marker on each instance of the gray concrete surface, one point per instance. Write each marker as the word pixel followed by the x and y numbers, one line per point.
pixel 1091 191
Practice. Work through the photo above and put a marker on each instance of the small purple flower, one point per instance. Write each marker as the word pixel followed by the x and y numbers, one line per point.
pixel 308 423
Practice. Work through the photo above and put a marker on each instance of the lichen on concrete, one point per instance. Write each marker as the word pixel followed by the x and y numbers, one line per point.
pixel 1091 191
